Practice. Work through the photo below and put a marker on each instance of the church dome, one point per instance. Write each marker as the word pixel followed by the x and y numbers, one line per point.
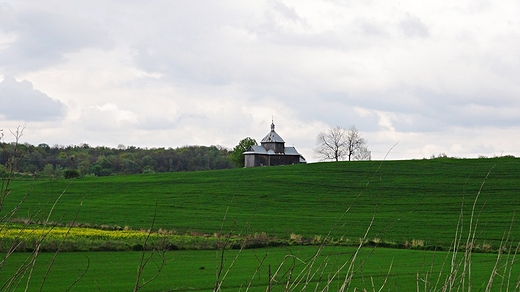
pixel 272 137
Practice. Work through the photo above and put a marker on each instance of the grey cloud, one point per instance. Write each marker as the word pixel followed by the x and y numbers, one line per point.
pixel 189 50
pixel 465 110
pixel 42 39
pixel 20 101
pixel 413 110
pixel 412 26
pixel 218 51
pixel 478 6
pixel 336 109
pixel 288 12
pixel 185 66
pixel 372 29
pixel 157 123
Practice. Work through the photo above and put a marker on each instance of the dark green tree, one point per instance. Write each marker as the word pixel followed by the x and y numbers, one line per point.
pixel 237 156
pixel 70 173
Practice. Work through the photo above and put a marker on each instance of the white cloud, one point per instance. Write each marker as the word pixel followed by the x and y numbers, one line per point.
pixel 437 76
pixel 107 117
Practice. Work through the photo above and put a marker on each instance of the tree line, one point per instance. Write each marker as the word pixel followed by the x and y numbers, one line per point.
pixel 80 160
pixel 83 159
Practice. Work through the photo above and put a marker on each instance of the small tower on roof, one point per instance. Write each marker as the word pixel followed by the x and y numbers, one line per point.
pixel 273 141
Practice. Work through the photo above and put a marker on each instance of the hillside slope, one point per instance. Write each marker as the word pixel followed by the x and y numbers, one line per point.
pixel 404 200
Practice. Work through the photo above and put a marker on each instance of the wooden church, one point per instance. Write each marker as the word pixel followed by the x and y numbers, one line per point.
pixel 272 152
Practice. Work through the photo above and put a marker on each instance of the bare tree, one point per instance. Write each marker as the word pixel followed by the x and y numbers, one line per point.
pixel 362 154
pixel 356 145
pixel 340 143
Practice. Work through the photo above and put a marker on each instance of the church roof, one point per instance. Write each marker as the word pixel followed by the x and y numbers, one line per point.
pixel 291 151
pixel 257 149
pixel 272 137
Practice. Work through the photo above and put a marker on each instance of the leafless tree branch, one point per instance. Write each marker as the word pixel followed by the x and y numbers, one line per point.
pixel 340 144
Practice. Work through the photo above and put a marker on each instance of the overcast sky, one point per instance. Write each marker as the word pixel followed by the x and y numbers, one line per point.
pixel 432 76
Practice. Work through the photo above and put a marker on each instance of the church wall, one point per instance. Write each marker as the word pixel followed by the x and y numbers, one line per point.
pixel 275 160
pixel 253 160
pixel 249 160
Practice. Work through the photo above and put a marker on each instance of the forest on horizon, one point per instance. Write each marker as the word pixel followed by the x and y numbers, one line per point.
pixel 44 160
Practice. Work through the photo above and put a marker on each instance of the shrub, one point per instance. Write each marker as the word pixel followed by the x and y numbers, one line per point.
pixel 138 247
pixel 70 173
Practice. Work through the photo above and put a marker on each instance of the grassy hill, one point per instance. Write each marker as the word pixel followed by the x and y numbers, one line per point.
pixel 400 201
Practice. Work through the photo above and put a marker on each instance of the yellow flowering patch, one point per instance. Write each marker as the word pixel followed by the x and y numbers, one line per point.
pixel 59 233
pixel 51 238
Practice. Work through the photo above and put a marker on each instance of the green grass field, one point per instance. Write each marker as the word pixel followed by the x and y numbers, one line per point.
pixel 417 202
pixel 195 270
pixel 417 199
